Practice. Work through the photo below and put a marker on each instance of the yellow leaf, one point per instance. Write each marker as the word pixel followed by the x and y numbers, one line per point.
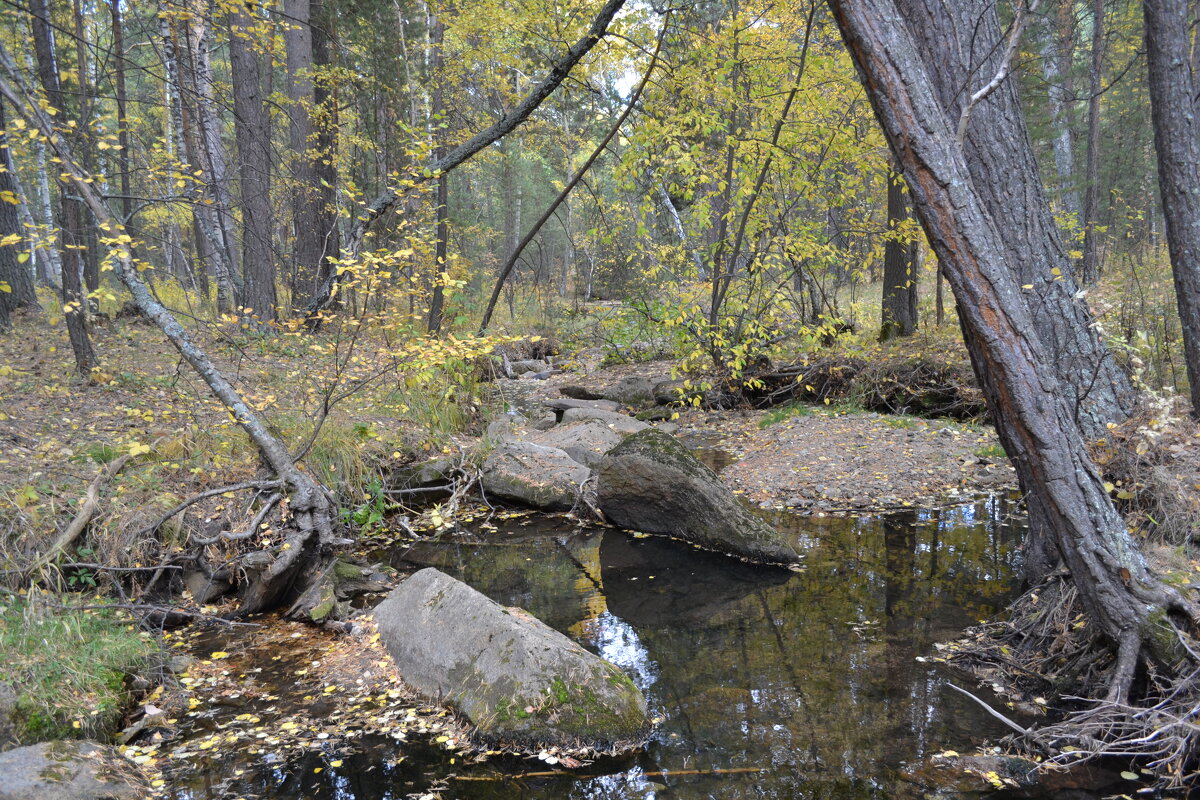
pixel 219 654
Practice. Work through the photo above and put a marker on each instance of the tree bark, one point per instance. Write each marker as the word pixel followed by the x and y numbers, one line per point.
pixel 1058 51
pixel 1034 417
pixel 1177 139
pixel 71 232
pixel 1089 266
pixel 252 131
pixel 18 290
pixel 899 309
pixel 216 219
pixel 961 50
pixel 442 196
pixel 311 134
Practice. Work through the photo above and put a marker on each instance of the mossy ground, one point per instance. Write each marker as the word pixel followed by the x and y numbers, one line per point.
pixel 68 668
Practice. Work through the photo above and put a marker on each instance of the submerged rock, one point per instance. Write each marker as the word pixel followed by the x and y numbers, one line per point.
pixel 651 483
pixel 542 477
pixel 515 678
pixel 66 771
pixel 585 442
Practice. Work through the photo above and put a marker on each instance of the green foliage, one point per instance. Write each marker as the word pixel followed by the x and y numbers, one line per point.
pixel 68 666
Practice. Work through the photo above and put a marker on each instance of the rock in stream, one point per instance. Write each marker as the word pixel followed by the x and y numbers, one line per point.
pixel 651 483
pixel 515 678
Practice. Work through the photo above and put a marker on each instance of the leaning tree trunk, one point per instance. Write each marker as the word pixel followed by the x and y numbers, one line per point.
pixel 961 49
pixel 1035 417
pixel 1000 161
pixel 1177 136
pixel 300 562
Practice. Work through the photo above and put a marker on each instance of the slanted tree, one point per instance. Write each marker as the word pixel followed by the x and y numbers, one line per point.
pixel 1035 415
pixel 1174 106
pixel 963 48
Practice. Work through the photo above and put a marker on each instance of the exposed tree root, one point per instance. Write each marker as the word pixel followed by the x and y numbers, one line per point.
pixel 1138 698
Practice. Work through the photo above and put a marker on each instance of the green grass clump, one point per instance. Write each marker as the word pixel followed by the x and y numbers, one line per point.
pixel 68 667
pixel 991 451
pixel 786 411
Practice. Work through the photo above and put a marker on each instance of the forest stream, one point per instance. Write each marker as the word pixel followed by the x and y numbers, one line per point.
pixel 818 683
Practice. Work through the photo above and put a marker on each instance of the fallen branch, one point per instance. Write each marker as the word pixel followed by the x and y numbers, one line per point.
pixel 87 510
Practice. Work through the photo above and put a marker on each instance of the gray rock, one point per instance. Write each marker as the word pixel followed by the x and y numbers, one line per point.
pixel 651 483
pixel 519 368
pixel 579 393
pixel 586 441
pixel 621 423
pixel 634 390
pixel 505 427
pixel 514 677
pixel 563 404
pixel 66 771
pixel 669 428
pixel 542 477
pixel 545 422
pixel 205 588
pixel 8 714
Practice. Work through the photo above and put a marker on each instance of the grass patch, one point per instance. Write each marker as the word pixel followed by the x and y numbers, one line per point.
pixel 786 411
pixel 995 451
pixel 68 667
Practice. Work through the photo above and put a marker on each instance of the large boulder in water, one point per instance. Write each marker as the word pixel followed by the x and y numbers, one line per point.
pixel 66 771
pixel 651 483
pixel 517 680
pixel 542 477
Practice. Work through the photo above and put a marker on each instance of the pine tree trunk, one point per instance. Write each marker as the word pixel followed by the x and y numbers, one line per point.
pixel 1035 417
pixel 1089 267
pixel 19 291
pixel 1177 136
pixel 73 236
pixel 313 171
pixel 253 134
pixel 961 47
pixel 899 314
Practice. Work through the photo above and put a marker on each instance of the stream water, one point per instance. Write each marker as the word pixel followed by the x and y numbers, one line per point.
pixel 772 684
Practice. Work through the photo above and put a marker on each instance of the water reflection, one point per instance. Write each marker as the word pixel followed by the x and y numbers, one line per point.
pixel 774 684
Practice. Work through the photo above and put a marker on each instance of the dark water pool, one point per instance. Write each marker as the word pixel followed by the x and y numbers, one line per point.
pixel 772 684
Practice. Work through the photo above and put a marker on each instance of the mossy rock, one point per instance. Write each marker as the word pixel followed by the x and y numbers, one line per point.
pixel 651 483
pixel 515 678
